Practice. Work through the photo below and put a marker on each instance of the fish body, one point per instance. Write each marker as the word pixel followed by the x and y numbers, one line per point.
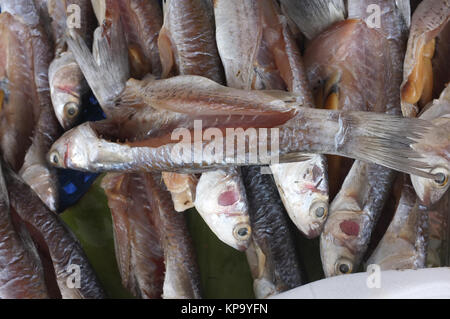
pixel 404 244
pixel 260 268
pixel 356 208
pixel 187 40
pixel 21 270
pixel 353 214
pixel 29 126
pixel 428 21
pixel 64 249
pixel 271 231
pixel 182 278
pixel 341 133
pixel 187 46
pixel 20 106
pixel 438 236
pixel 137 239
pixel 273 62
pixel 222 203
pixel 142 21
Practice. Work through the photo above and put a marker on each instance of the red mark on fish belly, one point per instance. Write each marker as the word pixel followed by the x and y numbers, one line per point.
pixel 228 198
pixel 349 228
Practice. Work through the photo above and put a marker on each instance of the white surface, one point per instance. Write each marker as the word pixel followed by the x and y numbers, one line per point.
pixel 410 284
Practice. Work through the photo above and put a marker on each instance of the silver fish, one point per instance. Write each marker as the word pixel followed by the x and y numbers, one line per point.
pixel 222 203
pixel 67 83
pixel 404 244
pixel 67 86
pixel 389 137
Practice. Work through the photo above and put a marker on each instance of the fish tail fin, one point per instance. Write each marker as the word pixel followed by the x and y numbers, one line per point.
pixel 312 17
pixel 107 76
pixel 388 141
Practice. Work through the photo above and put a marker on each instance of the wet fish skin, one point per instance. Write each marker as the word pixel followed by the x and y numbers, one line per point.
pixel 270 228
pixel 21 271
pixel 222 203
pixel 430 191
pixel 64 248
pixel 404 244
pixel 137 240
pixel 182 278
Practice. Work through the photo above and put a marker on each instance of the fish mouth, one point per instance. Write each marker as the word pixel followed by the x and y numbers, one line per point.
pixel 313 233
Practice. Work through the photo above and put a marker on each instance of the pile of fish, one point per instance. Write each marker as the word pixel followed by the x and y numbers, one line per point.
pixel 354 93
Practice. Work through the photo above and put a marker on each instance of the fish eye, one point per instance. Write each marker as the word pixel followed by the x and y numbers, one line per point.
pixel 242 231
pixel 319 209
pixel 343 266
pixel 54 158
pixel 441 179
pixel 71 109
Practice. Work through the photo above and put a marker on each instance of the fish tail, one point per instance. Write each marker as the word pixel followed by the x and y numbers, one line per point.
pixel 312 17
pixel 107 76
pixel 385 140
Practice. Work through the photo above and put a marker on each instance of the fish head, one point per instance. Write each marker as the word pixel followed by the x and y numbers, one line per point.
pixel 67 109
pixel 339 243
pixel 67 85
pixel 221 202
pixel 430 191
pixel 303 188
pixel 435 149
pixel 75 149
pixel 231 224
